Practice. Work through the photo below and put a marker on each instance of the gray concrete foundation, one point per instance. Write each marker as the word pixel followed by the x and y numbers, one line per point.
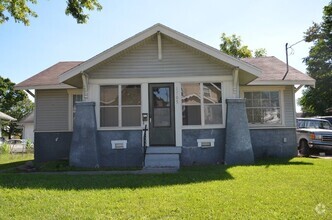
pixel 238 149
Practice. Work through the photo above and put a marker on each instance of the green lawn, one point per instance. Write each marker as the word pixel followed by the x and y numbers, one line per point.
pixel 277 189
pixel 8 161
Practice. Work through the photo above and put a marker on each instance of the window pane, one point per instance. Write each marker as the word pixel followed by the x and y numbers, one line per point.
pixel 76 98
pixel 131 116
pixel 265 95
pixel 248 95
pixel 249 103
pixel 109 117
pixel 256 95
pixel 212 92
pixel 191 115
pixel 250 115
pixel 274 95
pixel 191 94
pixel 162 117
pixel 271 116
pixel 213 114
pixel 161 97
pixel 257 115
pixel 131 94
pixel 109 96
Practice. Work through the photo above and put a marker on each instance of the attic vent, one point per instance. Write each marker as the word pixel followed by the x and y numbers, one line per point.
pixel 205 143
pixel 119 144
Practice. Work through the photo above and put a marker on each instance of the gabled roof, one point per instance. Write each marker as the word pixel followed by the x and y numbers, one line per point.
pixel 166 31
pixel 6 117
pixel 30 118
pixel 273 71
pixel 49 78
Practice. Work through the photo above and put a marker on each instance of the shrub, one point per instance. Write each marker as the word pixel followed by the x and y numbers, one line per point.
pixel 29 146
pixel 5 148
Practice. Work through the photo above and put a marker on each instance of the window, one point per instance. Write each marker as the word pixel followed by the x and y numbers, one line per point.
pixel 76 98
pixel 120 106
pixel 201 104
pixel 75 95
pixel 263 107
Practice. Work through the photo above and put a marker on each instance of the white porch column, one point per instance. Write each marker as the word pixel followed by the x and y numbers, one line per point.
pixel 236 82
pixel 85 79
pixel 178 114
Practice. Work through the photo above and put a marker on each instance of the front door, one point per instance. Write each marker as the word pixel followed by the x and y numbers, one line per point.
pixel 161 108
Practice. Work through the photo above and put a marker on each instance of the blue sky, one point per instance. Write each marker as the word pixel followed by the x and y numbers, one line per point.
pixel 54 37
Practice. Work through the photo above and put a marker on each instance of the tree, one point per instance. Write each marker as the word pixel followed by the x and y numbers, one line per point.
pixel 233 46
pixel 316 101
pixel 20 11
pixel 14 103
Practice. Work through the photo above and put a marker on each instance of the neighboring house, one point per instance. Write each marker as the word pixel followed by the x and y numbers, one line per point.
pixel 5 117
pixel 186 93
pixel 27 124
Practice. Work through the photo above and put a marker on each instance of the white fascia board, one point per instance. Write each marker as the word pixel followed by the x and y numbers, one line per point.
pixel 58 86
pixel 167 31
pixel 282 82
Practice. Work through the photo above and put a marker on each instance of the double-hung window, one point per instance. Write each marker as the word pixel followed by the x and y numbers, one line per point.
pixel 120 106
pixel 263 107
pixel 201 103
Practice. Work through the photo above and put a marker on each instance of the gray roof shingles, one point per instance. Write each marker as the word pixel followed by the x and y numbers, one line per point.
pixel 275 69
pixel 49 76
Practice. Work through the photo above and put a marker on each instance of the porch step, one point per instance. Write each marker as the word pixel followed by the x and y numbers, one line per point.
pixel 163 157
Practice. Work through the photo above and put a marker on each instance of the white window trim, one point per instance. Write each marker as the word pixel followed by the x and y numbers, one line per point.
pixel 279 89
pixel 71 93
pixel 119 106
pixel 223 106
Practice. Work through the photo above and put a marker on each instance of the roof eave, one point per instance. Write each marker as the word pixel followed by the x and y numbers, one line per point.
pixel 55 86
pixel 282 82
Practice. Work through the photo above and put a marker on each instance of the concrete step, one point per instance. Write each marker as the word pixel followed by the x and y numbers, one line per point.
pixel 163 157
pixel 162 160
pixel 163 150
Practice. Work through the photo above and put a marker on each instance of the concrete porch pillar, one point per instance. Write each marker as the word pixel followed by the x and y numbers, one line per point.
pixel 238 142
pixel 83 148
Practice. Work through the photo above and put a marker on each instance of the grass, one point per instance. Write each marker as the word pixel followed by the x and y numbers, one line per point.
pixel 273 189
pixel 8 161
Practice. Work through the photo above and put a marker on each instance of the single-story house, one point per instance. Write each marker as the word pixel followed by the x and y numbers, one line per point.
pixel 27 124
pixel 161 98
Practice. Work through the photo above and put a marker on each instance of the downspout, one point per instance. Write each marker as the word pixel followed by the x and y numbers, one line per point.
pixel 286 62
pixel 85 79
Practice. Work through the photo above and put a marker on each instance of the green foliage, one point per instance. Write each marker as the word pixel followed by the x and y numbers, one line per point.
pixel 76 9
pixel 261 52
pixel 232 45
pixel 29 146
pixel 20 11
pixel 316 101
pixel 14 103
pixel 4 148
pixel 278 189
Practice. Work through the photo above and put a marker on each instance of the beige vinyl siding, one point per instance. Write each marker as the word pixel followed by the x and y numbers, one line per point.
pixel 142 61
pixel 51 110
pixel 289 106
